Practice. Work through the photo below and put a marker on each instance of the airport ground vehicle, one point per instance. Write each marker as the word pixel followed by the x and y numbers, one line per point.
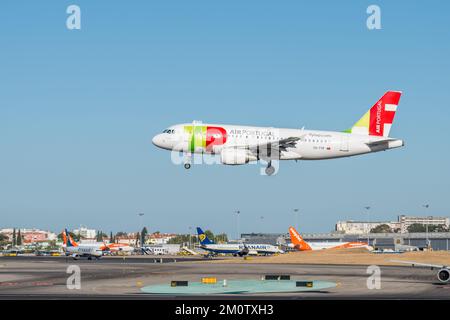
pixel 10 253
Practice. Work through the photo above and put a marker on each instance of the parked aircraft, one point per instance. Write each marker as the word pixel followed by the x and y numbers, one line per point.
pixel 236 249
pixel 91 249
pixel 298 243
pixel 77 251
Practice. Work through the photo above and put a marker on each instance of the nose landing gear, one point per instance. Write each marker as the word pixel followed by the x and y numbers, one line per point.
pixel 187 165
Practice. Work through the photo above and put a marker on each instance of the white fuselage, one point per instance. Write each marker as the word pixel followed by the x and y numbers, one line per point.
pixel 231 248
pixel 311 145
pixel 336 244
pixel 84 250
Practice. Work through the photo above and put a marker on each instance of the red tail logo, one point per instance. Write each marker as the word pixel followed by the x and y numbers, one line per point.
pixel 382 113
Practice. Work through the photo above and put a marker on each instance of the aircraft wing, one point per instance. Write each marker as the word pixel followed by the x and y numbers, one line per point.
pixel 419 264
pixel 269 150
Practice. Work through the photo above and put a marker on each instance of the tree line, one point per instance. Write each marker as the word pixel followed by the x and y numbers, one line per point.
pixel 186 238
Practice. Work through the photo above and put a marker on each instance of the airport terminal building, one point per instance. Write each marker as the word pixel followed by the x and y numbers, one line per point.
pixel 400 226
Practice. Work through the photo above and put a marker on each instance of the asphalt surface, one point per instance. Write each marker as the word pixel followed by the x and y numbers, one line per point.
pixel 118 278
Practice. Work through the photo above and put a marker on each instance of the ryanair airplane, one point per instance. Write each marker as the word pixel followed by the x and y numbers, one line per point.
pixel 238 249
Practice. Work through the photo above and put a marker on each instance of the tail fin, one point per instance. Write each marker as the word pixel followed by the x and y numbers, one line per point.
pixel 202 237
pixel 298 241
pixel 64 237
pixel 69 240
pixel 378 120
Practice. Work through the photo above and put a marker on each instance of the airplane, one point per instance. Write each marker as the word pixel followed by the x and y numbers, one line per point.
pixel 238 145
pixel 77 251
pixel 236 249
pixel 119 247
pixel 111 247
pixel 443 274
pixel 298 243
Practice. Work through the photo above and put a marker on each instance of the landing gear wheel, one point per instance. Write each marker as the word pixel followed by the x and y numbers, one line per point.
pixel 270 170
pixel 187 166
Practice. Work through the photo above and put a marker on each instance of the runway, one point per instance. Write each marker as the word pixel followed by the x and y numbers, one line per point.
pixel 118 278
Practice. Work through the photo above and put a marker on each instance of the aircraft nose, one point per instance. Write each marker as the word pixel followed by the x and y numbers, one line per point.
pixel 158 140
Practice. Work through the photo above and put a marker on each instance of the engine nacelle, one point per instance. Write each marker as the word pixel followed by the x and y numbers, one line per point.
pixel 444 275
pixel 236 156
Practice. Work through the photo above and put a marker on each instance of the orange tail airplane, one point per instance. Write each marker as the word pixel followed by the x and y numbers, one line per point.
pixel 113 247
pixel 298 243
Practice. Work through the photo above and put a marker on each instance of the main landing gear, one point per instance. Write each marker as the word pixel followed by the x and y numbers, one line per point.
pixel 187 161
pixel 270 170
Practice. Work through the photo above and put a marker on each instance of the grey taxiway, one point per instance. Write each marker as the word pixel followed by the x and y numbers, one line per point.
pixel 26 277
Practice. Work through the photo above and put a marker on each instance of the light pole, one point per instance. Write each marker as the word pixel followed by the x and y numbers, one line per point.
pixel 296 218
pixel 368 224
pixel 190 237
pixel 426 206
pixel 237 223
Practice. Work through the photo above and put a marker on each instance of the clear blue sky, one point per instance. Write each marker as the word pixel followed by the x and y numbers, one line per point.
pixel 78 110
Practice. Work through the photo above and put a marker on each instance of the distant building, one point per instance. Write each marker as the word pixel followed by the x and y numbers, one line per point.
pixel 129 240
pixel 401 225
pixel 264 238
pixel 406 221
pixel 361 227
pixel 88 234
pixel 30 235
pixel 159 238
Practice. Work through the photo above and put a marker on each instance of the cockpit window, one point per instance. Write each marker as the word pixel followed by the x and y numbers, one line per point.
pixel 169 131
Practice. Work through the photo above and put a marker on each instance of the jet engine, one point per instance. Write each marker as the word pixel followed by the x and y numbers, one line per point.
pixel 233 156
pixel 444 275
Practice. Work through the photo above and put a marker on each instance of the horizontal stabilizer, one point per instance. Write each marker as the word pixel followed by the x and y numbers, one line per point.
pixel 378 142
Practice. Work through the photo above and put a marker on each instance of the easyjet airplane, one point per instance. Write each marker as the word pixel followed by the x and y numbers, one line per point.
pixel 91 249
pixel 298 243
pixel 242 144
